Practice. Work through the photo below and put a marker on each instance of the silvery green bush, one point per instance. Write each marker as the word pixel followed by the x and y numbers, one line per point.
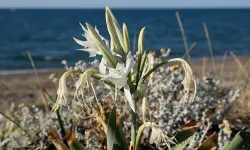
pixel 74 114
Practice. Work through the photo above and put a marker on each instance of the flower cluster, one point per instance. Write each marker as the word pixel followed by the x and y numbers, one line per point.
pixel 118 68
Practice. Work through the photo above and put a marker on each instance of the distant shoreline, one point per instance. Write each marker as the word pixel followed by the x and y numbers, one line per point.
pixel 45 70
pixel 29 71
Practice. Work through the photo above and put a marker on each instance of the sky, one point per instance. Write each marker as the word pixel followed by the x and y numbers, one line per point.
pixel 123 3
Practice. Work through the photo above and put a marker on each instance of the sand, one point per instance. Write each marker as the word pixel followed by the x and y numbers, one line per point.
pixel 22 87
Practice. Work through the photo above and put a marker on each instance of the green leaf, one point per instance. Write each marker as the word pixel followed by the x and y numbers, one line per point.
pixel 61 123
pixel 126 38
pixel 141 41
pixel 72 141
pixel 115 136
pixel 184 135
pixel 138 72
pixel 240 138
pixel 144 59
pixel 153 69
pixel 139 53
pixel 139 133
pixel 118 30
pixel 111 129
pixel 114 31
pixel 120 139
pixel 209 143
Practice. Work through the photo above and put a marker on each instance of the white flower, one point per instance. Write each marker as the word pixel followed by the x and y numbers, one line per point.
pixel 102 66
pixel 62 92
pixel 83 82
pixel 90 45
pixel 189 79
pixel 159 136
pixel 118 76
pixel 149 64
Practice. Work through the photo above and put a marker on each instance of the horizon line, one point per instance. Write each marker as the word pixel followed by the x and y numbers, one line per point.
pixel 100 8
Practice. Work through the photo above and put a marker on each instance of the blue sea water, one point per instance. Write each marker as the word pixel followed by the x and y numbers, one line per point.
pixel 47 34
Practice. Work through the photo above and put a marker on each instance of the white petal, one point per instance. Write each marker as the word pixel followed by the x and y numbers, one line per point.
pixel 120 66
pixel 105 40
pixel 92 54
pixel 102 66
pixel 84 29
pixel 129 62
pixel 118 82
pixel 155 136
pixel 89 44
pixel 116 54
pixel 114 73
pixel 97 31
pixel 80 42
pixel 128 97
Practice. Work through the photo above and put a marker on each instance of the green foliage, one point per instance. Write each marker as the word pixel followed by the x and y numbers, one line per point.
pixel 115 136
pixel 111 129
pixel 184 135
pixel 240 138
pixel 121 73
pixel 72 141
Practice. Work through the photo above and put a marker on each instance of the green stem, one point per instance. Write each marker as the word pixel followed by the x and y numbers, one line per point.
pixel 138 73
pixel 133 127
pixel 139 132
pixel 141 128
pixel 61 124
pixel 153 69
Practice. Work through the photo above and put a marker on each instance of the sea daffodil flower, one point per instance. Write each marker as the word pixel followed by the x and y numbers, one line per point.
pixel 89 45
pixel 189 79
pixel 118 76
pixel 62 92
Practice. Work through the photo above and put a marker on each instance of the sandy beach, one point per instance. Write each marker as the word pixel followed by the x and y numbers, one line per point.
pixel 23 87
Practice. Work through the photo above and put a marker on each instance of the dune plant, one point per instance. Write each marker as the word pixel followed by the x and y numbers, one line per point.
pixel 120 70
pixel 160 99
pixel 124 72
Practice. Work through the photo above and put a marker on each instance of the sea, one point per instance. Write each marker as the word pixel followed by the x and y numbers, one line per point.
pixel 48 33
